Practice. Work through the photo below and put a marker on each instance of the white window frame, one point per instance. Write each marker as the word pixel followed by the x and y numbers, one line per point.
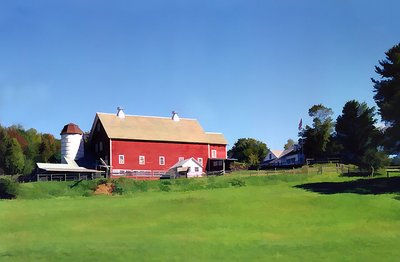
pixel 161 160
pixel 196 169
pixel 200 160
pixel 213 153
pixel 180 158
pixel 142 160
pixel 121 159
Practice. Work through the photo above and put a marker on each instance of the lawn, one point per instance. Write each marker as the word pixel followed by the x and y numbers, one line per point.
pixel 284 218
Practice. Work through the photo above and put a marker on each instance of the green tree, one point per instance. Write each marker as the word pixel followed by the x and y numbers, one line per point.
pixel 249 150
pixel 289 144
pixel 387 96
pixel 316 138
pixel 358 136
pixel 48 148
pixel 14 158
pixel 4 140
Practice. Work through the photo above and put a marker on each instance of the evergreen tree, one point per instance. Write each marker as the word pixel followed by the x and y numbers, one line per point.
pixel 14 158
pixel 357 135
pixel 387 96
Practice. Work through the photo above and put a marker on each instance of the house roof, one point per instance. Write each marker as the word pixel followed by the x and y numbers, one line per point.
pixel 277 153
pixel 184 161
pixel 156 129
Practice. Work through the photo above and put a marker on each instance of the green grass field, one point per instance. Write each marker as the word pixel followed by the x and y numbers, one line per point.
pixel 275 217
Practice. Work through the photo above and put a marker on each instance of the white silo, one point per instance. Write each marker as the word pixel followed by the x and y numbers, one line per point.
pixel 71 143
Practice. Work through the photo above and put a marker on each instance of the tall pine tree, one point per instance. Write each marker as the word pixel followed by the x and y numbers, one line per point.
pixel 387 96
pixel 358 136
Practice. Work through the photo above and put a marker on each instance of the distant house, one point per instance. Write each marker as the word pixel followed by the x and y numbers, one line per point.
pixel 186 168
pixel 284 158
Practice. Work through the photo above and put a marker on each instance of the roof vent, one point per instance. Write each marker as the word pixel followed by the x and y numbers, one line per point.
pixel 120 112
pixel 175 116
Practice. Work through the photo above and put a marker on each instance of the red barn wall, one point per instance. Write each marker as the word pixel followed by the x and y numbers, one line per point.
pixel 221 150
pixel 153 150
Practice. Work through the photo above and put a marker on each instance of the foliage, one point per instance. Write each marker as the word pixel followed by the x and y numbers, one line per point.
pixel 316 138
pixel 48 149
pixel 4 141
pixel 14 158
pixel 249 151
pixel 361 150
pixel 387 96
pixel 290 142
pixel 35 147
pixel 8 188
pixel 237 182
pixel 235 166
pixel 373 159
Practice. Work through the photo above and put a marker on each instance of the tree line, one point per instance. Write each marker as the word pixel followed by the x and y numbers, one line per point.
pixel 354 137
pixel 21 149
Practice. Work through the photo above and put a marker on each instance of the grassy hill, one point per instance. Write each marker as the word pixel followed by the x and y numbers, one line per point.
pixel 246 216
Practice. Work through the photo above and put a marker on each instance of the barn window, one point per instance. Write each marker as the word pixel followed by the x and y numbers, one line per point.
pixel 142 160
pixel 96 147
pixel 161 160
pixel 121 159
pixel 213 153
pixel 98 127
pixel 196 169
pixel 101 146
pixel 181 158
pixel 200 160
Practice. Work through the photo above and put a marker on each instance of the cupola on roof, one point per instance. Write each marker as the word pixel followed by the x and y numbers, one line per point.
pixel 71 128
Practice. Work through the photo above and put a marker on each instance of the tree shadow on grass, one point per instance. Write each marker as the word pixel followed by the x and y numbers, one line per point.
pixel 374 186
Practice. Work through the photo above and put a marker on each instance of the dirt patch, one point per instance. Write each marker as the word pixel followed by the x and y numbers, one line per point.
pixel 104 189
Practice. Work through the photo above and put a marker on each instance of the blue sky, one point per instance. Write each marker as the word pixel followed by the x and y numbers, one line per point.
pixel 244 68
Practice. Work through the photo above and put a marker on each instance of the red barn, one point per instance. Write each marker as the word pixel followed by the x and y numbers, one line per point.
pixel 149 146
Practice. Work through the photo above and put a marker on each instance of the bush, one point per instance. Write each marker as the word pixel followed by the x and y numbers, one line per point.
pixel 237 182
pixel 214 183
pixel 117 189
pixel 237 166
pixel 8 188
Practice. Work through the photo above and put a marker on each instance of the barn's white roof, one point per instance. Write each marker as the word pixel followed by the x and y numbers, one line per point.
pixel 71 166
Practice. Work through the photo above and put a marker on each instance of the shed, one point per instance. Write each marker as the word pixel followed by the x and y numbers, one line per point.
pixel 186 168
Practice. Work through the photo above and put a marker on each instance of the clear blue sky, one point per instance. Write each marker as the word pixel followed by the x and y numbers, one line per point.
pixel 244 68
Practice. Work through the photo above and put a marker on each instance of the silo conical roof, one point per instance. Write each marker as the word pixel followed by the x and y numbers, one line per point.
pixel 71 128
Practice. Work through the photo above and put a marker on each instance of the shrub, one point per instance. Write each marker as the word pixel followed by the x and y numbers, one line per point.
pixel 213 183
pixel 164 187
pixel 8 188
pixel 237 182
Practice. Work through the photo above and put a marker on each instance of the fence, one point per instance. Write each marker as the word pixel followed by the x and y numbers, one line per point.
pixel 68 176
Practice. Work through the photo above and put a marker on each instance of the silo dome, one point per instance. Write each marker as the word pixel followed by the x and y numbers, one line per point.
pixel 71 142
